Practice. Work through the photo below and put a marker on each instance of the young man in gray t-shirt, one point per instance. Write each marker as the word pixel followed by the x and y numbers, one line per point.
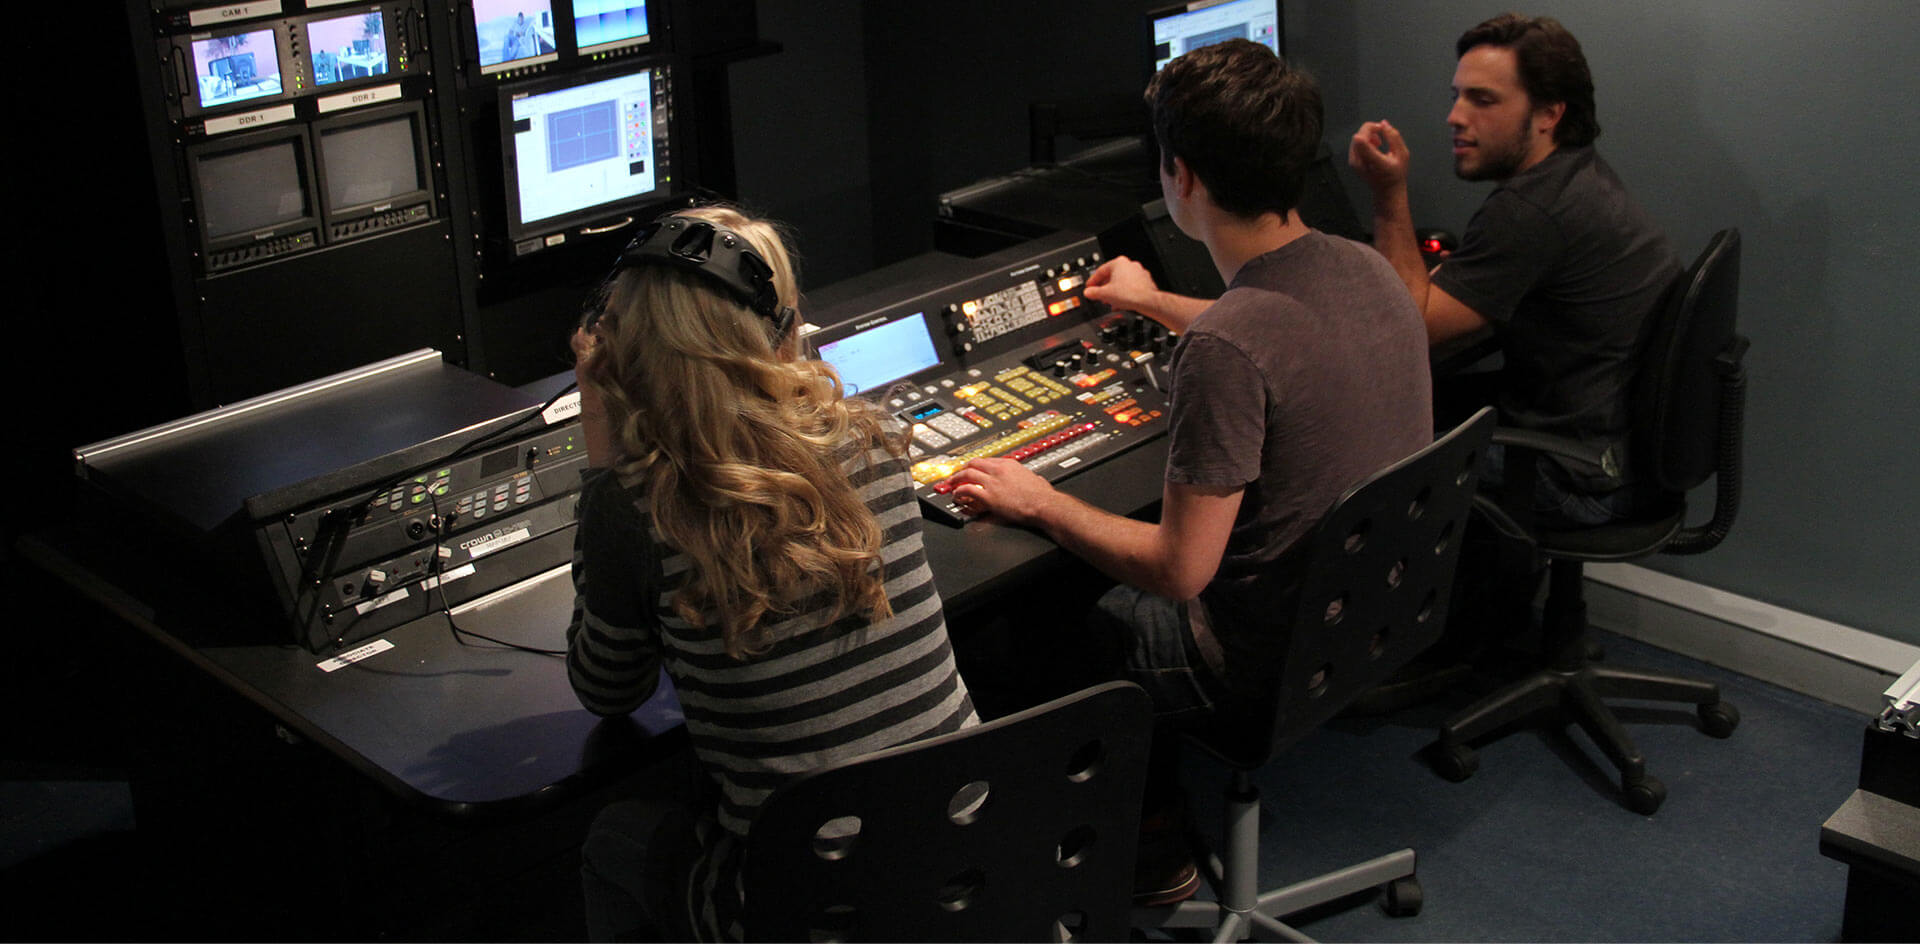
pixel 1307 375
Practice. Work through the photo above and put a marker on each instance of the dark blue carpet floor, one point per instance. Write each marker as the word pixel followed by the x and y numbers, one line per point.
pixel 1536 847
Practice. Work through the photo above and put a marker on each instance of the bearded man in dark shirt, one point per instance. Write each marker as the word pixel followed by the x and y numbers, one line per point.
pixel 1559 260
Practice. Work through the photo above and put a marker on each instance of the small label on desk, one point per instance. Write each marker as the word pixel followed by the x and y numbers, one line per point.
pixel 351 656
pixel 563 409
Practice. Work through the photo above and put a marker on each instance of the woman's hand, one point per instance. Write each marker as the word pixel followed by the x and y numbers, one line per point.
pixel 588 346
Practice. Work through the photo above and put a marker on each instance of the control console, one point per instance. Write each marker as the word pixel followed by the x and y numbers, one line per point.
pixel 1002 356
pixel 394 549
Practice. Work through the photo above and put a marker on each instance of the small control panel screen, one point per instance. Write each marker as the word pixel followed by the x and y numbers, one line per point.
pixel 878 355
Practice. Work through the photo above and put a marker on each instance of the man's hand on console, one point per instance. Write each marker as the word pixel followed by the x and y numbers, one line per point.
pixel 1125 285
pixel 1005 489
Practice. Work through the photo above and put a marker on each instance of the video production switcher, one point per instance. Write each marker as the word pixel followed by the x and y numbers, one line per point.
pixel 1001 356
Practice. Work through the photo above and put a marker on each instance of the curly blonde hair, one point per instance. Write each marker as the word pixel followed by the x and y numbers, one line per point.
pixel 737 440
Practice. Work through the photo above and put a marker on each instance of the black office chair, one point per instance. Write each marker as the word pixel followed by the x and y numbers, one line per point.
pixel 1378 572
pixel 1689 403
pixel 1019 829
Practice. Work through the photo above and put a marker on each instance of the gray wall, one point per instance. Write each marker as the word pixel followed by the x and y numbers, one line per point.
pixel 1796 122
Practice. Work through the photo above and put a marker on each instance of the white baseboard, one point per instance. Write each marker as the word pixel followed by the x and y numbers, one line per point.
pixel 1831 662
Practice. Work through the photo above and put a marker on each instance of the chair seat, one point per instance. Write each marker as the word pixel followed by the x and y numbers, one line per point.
pixel 1626 540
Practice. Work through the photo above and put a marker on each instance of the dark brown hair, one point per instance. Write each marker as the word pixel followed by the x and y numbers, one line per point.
pixel 1245 123
pixel 1552 69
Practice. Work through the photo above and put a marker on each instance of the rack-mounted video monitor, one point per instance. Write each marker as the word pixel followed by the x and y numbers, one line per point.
pixel 582 148
pixel 245 73
pixel 1184 27
pixel 233 67
pixel 513 34
pixel 347 47
pixel 253 197
pixel 607 25
pixel 373 170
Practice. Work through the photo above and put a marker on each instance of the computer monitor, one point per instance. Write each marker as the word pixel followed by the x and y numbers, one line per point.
pixel 513 34
pixel 1184 27
pixel 235 67
pixel 580 148
pixel 606 25
pixel 373 170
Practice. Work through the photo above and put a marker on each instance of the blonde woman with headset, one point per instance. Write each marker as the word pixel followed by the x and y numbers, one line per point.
pixel 753 533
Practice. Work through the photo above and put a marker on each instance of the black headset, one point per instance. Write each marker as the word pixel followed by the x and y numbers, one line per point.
pixel 720 254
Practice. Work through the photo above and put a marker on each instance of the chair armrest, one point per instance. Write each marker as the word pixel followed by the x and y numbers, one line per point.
pixel 1489 508
pixel 1603 458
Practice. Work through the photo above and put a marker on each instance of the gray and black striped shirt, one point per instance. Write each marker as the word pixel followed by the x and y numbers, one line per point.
pixel 825 691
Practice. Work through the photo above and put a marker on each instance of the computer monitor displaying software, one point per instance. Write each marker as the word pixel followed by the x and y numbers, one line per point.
pixel 1180 29
pixel 585 145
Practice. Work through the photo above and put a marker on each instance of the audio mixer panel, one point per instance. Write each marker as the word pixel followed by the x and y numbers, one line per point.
pixel 1003 356
pixel 392 550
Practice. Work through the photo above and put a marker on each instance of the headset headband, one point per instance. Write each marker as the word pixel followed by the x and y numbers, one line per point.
pixel 716 252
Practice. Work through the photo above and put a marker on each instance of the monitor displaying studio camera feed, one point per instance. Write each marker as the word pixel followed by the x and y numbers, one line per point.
pixel 349 47
pixel 236 67
pixel 513 34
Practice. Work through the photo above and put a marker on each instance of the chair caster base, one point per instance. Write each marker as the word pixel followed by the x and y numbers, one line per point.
pixel 1403 898
pixel 1454 761
pixel 1719 719
pixel 1644 795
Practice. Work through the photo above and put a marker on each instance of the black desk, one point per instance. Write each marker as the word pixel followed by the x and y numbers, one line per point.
pixel 465 728
pixel 477 729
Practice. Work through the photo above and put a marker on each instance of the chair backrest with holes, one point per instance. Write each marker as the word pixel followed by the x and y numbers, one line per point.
pixel 1019 829
pixel 1379 568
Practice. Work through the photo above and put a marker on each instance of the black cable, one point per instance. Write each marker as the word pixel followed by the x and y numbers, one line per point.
pixel 436 569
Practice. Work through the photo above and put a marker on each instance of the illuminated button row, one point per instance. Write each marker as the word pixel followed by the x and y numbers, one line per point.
pixel 933 470
pixel 1032 449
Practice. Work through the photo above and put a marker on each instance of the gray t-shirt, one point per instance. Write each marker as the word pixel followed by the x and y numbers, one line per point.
pixel 1567 267
pixel 1309 374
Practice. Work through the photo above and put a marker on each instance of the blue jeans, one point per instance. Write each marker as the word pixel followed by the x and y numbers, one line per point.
pixel 1158 652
